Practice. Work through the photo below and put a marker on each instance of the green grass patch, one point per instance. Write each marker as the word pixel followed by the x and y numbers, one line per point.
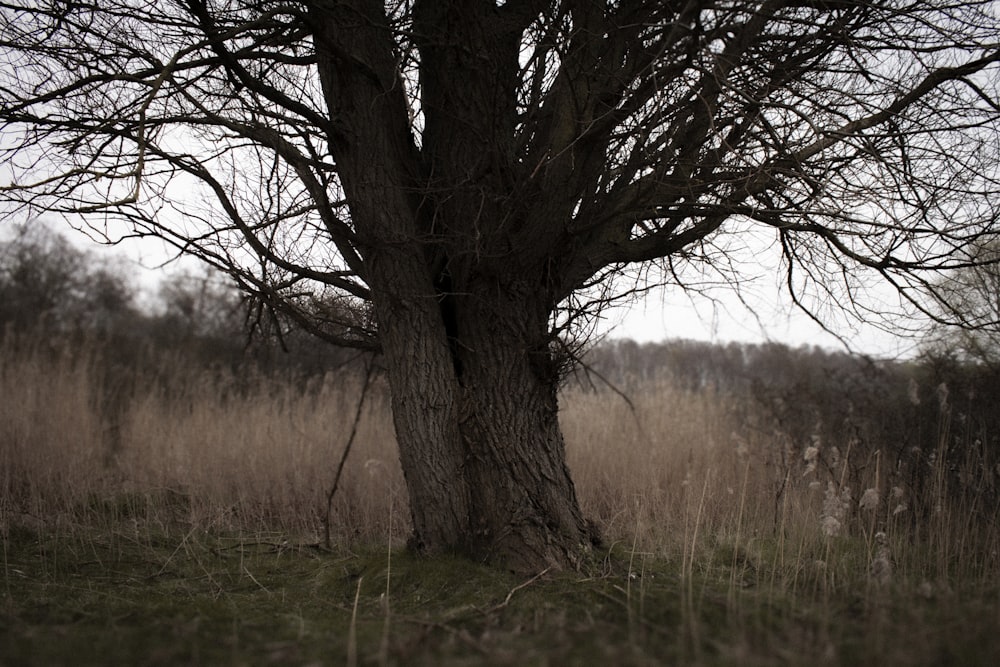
pixel 119 597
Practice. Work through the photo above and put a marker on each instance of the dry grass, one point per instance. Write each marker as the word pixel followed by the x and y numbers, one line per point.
pixel 762 535
pixel 254 454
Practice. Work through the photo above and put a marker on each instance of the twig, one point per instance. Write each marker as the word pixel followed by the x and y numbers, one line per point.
pixel 369 368
pixel 590 370
pixel 254 580
pixel 523 584
pixel 352 631
pixel 459 633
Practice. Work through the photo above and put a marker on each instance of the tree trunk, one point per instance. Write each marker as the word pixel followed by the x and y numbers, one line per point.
pixel 476 416
pixel 525 511
pixel 463 320
pixel 424 402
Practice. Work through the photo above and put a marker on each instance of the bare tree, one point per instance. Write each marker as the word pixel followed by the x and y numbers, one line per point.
pixel 488 175
pixel 970 298
pixel 50 288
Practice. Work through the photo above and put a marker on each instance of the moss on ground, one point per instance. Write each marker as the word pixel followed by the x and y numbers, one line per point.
pixel 116 597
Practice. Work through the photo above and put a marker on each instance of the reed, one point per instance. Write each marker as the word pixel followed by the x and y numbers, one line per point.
pixel 693 483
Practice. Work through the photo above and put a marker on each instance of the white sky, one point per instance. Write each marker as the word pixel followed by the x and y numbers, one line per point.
pixel 662 315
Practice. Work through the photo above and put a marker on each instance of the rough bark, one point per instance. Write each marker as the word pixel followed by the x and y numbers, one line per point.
pixel 525 510
pixel 478 430
pixel 424 407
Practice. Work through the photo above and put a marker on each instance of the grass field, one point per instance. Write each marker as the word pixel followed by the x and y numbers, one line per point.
pixel 185 525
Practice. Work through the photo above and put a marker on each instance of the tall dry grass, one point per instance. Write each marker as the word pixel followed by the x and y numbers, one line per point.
pixel 51 436
pixel 192 447
pixel 694 477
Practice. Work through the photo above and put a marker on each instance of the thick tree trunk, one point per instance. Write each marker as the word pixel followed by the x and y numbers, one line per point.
pixel 525 511
pixel 424 403
pixel 479 436
pixel 463 319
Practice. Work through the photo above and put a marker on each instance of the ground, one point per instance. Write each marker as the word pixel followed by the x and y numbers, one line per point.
pixel 142 598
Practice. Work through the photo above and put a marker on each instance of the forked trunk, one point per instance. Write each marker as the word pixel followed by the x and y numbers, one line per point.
pixel 476 416
pixel 525 510
pixel 463 319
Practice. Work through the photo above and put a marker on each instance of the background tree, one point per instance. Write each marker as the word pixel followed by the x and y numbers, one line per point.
pixel 489 175
pixel 49 287
pixel 970 296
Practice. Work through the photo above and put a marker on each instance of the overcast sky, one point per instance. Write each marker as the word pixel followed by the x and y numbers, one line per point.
pixel 662 315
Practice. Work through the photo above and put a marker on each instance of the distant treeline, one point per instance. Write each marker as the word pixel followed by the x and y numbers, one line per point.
pixel 54 293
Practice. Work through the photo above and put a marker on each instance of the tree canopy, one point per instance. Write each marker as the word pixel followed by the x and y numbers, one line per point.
pixel 603 134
